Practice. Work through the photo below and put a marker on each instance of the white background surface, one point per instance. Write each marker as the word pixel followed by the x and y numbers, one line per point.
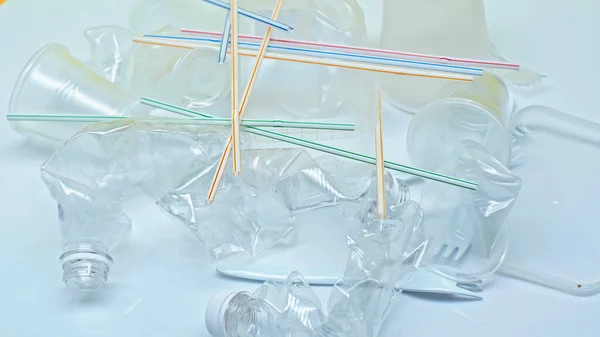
pixel 162 278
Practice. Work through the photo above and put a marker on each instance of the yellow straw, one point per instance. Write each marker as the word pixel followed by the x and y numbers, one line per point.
pixel 387 69
pixel 380 163
pixel 223 161
pixel 235 118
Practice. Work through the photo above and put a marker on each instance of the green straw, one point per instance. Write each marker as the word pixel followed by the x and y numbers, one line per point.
pixel 191 120
pixel 327 149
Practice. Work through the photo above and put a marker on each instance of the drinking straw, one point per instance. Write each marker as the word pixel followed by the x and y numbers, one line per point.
pixel 253 15
pixel 339 55
pixel 337 151
pixel 396 70
pixel 236 152
pixel 379 165
pixel 225 40
pixel 235 99
pixel 374 51
pixel 201 120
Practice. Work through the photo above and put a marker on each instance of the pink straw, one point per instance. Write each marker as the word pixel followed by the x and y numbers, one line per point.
pixel 439 59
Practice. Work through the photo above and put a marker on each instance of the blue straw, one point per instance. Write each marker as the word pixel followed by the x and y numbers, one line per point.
pixel 341 55
pixel 253 15
pixel 225 39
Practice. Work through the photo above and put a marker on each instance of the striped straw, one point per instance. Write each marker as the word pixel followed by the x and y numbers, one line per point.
pixel 221 167
pixel 235 99
pixel 253 15
pixel 388 69
pixel 270 123
pixel 374 51
pixel 225 40
pixel 340 152
pixel 380 163
pixel 339 55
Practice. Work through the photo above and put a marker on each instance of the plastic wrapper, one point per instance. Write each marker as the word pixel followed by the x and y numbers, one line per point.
pixel 468 230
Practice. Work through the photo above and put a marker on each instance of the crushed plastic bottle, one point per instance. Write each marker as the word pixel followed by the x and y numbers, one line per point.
pixel 250 214
pixel 106 163
pixel 384 254
pixel 315 187
pixel 288 308
pixel 92 174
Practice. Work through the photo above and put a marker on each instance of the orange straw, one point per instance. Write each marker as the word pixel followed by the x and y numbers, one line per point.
pixel 379 163
pixel 396 70
pixel 235 117
pixel 224 157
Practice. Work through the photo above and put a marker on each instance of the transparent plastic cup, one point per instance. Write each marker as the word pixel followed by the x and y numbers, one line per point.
pixel 152 15
pixel 305 91
pixel 199 81
pixel 477 111
pixel 189 78
pixel 109 46
pixel 54 82
pixel 436 27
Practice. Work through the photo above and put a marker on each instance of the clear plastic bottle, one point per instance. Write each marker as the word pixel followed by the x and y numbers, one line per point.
pixel 289 308
pixel 89 213
pixel 315 187
pixel 105 163
pixel 383 256
pixel 95 171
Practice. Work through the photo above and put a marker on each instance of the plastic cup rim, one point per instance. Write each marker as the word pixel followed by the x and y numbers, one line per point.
pixel 456 101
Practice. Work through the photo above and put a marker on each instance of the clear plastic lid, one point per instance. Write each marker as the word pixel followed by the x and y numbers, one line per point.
pixel 554 241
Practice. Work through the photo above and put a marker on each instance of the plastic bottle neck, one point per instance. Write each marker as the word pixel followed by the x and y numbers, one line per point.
pixel 85 266
pixel 244 317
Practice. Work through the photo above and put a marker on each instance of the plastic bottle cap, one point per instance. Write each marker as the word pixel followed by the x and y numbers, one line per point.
pixel 215 312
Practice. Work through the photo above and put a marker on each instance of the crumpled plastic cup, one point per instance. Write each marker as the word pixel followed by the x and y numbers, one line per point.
pixel 188 78
pixel 110 46
pixel 468 231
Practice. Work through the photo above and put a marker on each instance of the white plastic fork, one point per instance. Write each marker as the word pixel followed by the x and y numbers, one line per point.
pixel 453 244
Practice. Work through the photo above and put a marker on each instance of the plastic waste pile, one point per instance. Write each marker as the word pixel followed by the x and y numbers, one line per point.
pixel 144 117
